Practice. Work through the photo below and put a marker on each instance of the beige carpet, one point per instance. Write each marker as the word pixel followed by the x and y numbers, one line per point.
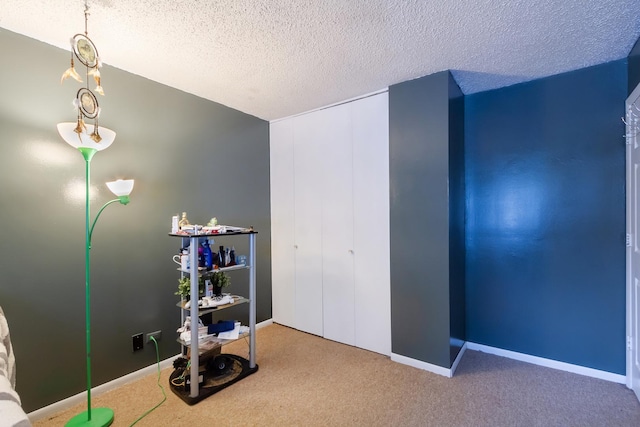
pixel 305 380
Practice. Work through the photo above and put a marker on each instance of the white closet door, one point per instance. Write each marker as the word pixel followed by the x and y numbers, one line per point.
pixel 370 126
pixel 308 223
pixel 337 225
pixel 282 220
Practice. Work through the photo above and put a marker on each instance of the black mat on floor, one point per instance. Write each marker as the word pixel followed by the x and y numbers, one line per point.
pixel 218 373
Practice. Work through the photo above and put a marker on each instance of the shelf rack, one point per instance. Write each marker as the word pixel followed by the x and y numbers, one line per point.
pixel 250 367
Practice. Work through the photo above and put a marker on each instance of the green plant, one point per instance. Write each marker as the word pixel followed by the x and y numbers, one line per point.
pixel 184 286
pixel 219 279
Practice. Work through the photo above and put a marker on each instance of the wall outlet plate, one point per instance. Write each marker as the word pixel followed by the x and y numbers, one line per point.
pixel 157 335
pixel 137 342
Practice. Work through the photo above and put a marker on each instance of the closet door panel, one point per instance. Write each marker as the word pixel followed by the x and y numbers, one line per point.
pixel 337 225
pixel 308 223
pixel 282 221
pixel 370 126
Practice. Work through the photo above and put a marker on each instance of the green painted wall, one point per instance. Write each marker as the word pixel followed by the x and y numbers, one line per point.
pixel 426 175
pixel 186 153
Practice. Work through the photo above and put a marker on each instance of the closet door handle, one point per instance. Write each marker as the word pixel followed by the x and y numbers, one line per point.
pixel 351 251
pixel 295 246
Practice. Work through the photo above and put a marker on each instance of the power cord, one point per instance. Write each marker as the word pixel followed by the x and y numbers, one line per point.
pixel 248 348
pixel 179 381
pixel 159 385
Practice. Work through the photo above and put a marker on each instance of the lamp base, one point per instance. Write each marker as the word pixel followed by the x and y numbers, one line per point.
pixel 100 417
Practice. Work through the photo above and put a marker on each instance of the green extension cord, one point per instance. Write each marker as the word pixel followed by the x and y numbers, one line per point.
pixel 159 385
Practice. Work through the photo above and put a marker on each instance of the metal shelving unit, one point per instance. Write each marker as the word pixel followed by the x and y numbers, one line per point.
pixel 195 393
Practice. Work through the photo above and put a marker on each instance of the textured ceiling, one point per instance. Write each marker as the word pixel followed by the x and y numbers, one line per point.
pixel 276 58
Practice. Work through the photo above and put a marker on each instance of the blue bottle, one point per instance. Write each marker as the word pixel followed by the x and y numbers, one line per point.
pixel 201 256
pixel 208 255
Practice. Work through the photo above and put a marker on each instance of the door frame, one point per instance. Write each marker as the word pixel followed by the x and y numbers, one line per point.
pixel 630 139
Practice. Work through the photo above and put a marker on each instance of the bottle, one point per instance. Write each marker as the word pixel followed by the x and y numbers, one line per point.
pixel 183 221
pixel 216 262
pixel 174 224
pixel 232 256
pixel 184 259
pixel 200 255
pixel 208 255
pixel 221 258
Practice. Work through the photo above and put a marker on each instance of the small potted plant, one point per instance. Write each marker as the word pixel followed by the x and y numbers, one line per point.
pixel 219 280
pixel 184 287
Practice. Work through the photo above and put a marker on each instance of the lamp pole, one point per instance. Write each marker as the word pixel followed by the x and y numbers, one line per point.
pixel 98 417
pixel 88 153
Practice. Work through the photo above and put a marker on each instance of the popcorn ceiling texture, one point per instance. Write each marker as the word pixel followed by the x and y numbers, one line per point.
pixel 276 58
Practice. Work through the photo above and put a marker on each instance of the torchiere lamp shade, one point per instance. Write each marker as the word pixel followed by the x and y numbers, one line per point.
pixel 121 187
pixel 67 131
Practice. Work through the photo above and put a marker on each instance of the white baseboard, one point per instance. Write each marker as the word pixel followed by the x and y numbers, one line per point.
pixel 540 361
pixel 264 323
pixel 429 367
pixel 549 363
pixel 67 403
pixel 61 405
pixel 458 358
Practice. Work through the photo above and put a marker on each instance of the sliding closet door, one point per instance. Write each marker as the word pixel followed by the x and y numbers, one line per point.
pixel 282 221
pixel 370 126
pixel 337 225
pixel 307 153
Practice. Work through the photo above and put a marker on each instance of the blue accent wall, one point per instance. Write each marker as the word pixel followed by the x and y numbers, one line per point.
pixel 634 66
pixel 545 184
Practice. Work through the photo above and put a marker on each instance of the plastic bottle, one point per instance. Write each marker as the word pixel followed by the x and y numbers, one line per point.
pixel 232 256
pixel 200 255
pixel 208 255
pixel 221 258
pixel 216 262
pixel 184 259
pixel 174 224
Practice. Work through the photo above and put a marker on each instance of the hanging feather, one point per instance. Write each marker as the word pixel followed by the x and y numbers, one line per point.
pixel 99 88
pixel 95 72
pixel 71 72
pixel 96 75
pixel 80 127
pixel 95 135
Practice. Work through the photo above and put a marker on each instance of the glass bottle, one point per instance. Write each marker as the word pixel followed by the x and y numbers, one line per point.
pixel 183 221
